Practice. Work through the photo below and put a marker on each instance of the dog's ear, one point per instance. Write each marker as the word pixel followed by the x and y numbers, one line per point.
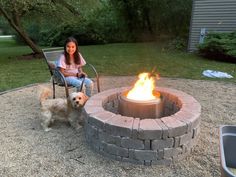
pixel 82 97
pixel 72 95
pixel 85 97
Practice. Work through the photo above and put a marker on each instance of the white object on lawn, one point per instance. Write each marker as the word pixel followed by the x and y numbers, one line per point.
pixel 216 74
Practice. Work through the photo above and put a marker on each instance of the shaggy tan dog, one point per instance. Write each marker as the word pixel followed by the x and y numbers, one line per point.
pixel 69 109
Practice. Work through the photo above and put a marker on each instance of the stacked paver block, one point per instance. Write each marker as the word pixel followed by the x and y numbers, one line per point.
pixel 143 141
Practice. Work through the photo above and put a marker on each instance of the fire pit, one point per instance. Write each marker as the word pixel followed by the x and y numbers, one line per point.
pixel 142 101
pixel 162 137
pixel 141 109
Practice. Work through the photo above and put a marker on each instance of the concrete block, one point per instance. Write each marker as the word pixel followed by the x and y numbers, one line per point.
pixel 149 129
pixel 135 128
pixel 195 107
pixel 185 117
pixel 95 143
pixel 161 144
pixel 100 118
pixel 113 97
pixel 92 131
pixel 192 120
pixel 186 138
pixel 93 109
pixel 132 143
pixel 196 132
pixel 145 154
pixel 160 154
pixel 115 103
pixel 175 127
pixel 176 141
pixel 115 150
pixel 119 126
pixel 94 102
pixel 147 144
pixel 164 128
pixel 103 136
pixel 108 106
pixel 110 156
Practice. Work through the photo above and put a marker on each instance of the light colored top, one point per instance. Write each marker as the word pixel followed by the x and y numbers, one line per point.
pixel 73 67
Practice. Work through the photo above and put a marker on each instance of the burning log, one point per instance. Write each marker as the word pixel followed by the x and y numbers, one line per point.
pixel 142 100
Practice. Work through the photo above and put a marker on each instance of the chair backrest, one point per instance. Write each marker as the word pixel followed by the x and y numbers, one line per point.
pixel 51 55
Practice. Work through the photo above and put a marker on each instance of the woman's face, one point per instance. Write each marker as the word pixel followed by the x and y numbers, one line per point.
pixel 70 48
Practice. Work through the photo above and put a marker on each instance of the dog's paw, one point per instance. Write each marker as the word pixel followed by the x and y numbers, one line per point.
pixel 47 129
pixel 78 127
pixel 75 126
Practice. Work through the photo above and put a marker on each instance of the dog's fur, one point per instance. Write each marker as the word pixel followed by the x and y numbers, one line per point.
pixel 69 109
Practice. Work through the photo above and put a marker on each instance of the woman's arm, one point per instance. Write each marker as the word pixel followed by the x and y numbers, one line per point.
pixel 66 74
pixel 80 73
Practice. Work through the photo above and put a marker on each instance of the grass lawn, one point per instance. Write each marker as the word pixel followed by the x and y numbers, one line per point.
pixel 111 59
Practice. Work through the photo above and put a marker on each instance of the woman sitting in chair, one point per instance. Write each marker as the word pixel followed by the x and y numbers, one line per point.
pixel 70 64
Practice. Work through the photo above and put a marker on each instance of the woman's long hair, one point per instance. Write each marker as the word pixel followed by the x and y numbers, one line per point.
pixel 77 59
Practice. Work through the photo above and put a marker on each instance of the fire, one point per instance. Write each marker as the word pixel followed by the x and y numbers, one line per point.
pixel 143 89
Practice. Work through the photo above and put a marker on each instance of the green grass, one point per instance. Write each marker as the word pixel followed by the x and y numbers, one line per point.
pixel 110 59
pixel 15 72
pixel 131 59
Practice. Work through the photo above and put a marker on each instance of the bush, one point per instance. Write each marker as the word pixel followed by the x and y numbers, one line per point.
pixel 97 28
pixel 177 43
pixel 220 46
pixel 57 36
pixel 32 30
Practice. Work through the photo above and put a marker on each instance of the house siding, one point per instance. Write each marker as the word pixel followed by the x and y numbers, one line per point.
pixel 213 15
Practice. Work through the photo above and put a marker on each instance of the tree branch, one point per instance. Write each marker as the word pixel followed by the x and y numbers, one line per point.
pixel 67 6
pixel 20 31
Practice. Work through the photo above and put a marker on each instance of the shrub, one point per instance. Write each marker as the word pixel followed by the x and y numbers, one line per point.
pixel 84 34
pixel 98 28
pixel 220 46
pixel 177 43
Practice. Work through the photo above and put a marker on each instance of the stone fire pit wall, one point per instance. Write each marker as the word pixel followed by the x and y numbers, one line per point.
pixel 147 141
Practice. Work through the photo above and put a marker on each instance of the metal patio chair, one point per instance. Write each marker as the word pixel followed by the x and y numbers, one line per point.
pixel 51 55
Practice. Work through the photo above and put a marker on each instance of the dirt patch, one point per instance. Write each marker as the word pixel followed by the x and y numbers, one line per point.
pixel 26 150
pixel 31 56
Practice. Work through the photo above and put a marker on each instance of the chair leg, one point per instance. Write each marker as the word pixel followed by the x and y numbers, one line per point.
pixel 53 88
pixel 67 91
pixel 98 84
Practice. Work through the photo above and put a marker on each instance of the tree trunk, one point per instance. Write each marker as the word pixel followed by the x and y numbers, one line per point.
pixel 37 51
pixel 146 19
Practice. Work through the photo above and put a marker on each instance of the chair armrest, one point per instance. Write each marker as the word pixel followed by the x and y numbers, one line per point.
pixel 97 76
pixel 58 77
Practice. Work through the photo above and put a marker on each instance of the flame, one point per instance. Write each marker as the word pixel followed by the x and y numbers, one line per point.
pixel 144 88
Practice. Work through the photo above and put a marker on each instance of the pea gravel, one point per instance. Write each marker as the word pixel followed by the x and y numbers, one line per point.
pixel 26 150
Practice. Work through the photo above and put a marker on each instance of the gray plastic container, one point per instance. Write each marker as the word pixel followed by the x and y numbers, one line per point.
pixel 227 149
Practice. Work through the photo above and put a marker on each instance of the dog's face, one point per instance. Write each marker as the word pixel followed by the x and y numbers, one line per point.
pixel 78 99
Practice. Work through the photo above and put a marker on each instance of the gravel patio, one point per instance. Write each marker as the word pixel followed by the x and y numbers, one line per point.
pixel 26 150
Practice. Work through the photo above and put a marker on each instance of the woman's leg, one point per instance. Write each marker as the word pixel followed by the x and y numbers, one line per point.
pixel 74 81
pixel 89 86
